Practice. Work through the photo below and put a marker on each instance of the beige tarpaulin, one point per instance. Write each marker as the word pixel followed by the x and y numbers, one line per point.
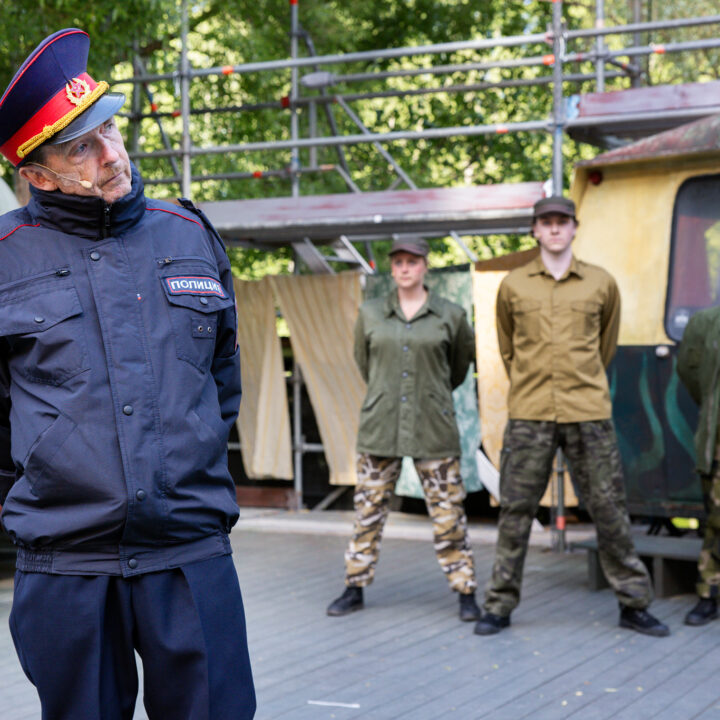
pixel 263 423
pixel 320 311
pixel 492 380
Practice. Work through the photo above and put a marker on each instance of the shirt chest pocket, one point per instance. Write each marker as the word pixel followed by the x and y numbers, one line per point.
pixel 526 317
pixel 41 320
pixel 195 300
pixel 585 319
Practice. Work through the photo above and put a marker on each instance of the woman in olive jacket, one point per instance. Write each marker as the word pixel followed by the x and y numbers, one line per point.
pixel 413 348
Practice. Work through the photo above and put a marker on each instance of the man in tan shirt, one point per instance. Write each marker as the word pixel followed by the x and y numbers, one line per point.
pixel 557 323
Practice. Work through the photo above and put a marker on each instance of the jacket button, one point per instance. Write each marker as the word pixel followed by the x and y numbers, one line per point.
pixel 39 319
pixel 128 409
pixel 94 255
pixel 404 373
pixel 403 399
pixel 408 325
pixel 203 301
pixel 200 328
pixel 405 348
pixel 140 494
pixel 132 563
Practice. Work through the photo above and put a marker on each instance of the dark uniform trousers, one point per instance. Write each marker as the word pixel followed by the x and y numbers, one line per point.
pixel 76 637
pixel 525 465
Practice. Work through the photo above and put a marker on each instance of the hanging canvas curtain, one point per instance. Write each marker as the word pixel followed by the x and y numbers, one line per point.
pixel 320 311
pixel 263 423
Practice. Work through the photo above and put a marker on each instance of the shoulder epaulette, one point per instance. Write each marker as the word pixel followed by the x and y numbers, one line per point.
pixel 188 205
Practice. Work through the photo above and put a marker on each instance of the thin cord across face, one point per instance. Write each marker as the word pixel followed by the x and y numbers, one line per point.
pixel 85 183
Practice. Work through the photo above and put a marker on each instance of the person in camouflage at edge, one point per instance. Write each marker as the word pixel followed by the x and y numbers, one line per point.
pixel 412 348
pixel 557 322
pixel 699 368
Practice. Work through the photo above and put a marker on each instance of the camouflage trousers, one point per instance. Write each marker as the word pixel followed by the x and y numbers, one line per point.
pixel 525 465
pixel 444 495
pixel 708 583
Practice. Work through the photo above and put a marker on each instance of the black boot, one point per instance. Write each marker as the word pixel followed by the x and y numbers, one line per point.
pixel 349 601
pixel 469 611
pixel 490 624
pixel 642 621
pixel 705 611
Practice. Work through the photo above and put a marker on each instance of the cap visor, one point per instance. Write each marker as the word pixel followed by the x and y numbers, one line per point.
pixel 100 111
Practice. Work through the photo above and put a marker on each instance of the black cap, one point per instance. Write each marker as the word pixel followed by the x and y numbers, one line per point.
pixel 414 246
pixel 554 204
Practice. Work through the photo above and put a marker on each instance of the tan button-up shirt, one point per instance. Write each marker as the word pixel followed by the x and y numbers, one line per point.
pixel 556 339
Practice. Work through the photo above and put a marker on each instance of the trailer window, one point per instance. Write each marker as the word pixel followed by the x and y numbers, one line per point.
pixel 694 281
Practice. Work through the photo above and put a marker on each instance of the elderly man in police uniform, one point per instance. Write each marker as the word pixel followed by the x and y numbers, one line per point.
pixel 119 382
pixel 557 324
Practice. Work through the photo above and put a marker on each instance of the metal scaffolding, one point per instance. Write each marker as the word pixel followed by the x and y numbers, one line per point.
pixel 321 83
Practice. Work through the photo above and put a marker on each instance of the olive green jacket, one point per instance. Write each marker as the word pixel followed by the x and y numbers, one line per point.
pixel 699 367
pixel 411 369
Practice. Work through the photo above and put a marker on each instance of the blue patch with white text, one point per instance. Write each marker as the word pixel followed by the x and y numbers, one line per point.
pixel 195 285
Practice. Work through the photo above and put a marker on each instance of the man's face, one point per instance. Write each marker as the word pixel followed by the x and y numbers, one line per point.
pixel 99 157
pixel 554 232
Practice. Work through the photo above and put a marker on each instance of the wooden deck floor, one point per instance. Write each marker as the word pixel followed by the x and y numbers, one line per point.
pixel 407 656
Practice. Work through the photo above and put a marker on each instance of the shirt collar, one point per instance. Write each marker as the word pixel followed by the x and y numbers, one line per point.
pixel 392 305
pixel 537 267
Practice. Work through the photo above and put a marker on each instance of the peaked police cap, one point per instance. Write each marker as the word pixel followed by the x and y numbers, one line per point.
pixel 51 98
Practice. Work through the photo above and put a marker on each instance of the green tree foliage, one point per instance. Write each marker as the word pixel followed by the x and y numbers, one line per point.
pixel 232 32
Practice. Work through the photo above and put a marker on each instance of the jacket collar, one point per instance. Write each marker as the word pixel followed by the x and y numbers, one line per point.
pixel 537 267
pixel 392 305
pixel 87 216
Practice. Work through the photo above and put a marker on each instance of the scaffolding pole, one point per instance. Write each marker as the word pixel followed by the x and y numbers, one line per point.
pixel 185 103
pixel 600 46
pixel 558 100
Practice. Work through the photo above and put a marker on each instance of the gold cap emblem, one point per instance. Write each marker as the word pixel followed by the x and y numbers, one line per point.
pixel 76 90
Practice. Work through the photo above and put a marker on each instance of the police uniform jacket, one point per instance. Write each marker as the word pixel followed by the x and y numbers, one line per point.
pixel 119 382
pixel 411 368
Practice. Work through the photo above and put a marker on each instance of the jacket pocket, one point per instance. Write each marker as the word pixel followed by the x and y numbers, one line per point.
pixel 585 319
pixel 195 299
pixel 38 467
pixel 371 401
pixel 41 320
pixel 526 317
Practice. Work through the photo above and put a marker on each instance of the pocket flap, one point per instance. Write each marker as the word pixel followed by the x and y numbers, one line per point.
pixel 524 306
pixel 197 291
pixel 590 307
pixel 35 313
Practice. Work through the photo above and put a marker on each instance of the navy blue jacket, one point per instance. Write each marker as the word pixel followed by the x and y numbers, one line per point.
pixel 119 383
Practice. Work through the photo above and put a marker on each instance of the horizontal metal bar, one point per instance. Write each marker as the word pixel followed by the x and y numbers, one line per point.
pixel 352 97
pixel 433 133
pixel 386 53
pixel 643 27
pixel 635 117
pixel 664 48
pixel 284 172
pixel 462 131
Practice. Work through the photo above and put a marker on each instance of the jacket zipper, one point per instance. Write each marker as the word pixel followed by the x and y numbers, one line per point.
pixel 162 262
pixel 106 220
pixel 59 272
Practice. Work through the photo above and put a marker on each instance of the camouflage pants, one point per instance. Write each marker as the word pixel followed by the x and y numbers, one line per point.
pixel 444 494
pixel 709 560
pixel 525 465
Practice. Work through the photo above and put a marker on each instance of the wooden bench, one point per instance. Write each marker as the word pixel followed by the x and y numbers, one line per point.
pixel 671 561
